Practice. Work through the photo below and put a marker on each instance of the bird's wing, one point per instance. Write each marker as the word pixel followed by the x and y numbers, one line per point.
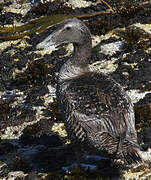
pixel 99 104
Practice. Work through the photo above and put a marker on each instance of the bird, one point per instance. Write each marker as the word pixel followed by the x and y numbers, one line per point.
pixel 98 114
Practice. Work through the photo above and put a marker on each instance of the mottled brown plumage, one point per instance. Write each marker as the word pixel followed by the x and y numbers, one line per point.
pixel 98 114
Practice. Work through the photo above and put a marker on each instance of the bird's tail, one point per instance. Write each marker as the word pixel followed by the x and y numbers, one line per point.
pixel 131 153
pixel 124 148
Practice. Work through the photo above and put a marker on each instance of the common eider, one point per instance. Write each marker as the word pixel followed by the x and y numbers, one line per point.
pixel 98 114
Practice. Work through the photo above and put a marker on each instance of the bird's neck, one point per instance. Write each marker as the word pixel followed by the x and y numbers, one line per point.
pixel 81 54
pixel 78 64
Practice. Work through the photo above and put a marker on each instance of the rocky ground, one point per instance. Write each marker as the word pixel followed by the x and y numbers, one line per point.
pixel 33 140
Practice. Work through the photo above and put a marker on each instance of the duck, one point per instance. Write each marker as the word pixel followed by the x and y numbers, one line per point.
pixel 98 114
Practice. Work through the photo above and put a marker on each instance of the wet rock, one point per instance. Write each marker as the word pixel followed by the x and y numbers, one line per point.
pixel 25 156
pixel 19 164
pixel 6 147
pixel 35 134
pixel 146 100
pixel 47 140
pixel 54 158
pixel 42 158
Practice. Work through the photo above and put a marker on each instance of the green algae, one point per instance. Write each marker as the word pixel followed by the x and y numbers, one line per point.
pixel 36 25
pixel 39 25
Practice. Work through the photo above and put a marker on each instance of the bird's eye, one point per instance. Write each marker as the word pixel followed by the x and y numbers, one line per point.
pixel 68 28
